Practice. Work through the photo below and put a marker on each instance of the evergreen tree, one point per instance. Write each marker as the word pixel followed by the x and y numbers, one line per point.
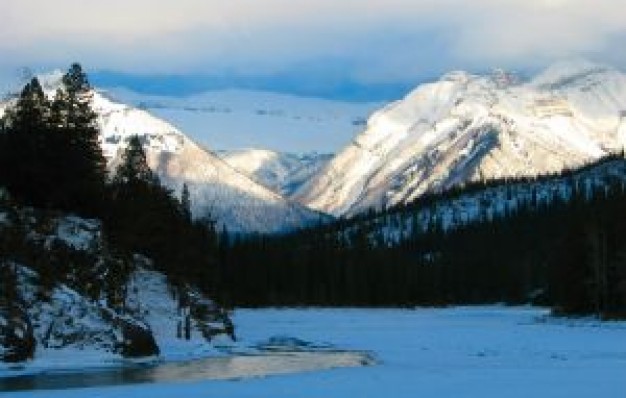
pixel 74 117
pixel 134 168
pixel 32 110
pixel 50 154
pixel 185 203
pixel 145 218
pixel 78 93
pixel 134 190
pixel 24 153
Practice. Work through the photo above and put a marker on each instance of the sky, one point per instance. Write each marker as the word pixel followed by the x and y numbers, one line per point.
pixel 357 49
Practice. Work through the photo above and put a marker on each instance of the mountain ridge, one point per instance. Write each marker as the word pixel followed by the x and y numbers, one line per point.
pixel 281 172
pixel 467 127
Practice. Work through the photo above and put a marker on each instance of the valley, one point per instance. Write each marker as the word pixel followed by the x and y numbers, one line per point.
pixel 315 199
pixel 401 216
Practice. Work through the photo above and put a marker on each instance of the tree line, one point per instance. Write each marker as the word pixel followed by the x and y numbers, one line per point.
pixel 568 252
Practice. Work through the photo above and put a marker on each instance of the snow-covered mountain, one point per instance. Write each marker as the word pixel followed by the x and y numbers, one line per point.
pixel 236 119
pixel 217 190
pixel 466 127
pixel 281 172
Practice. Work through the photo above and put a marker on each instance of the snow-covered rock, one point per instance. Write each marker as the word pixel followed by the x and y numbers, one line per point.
pixel 466 127
pixel 63 293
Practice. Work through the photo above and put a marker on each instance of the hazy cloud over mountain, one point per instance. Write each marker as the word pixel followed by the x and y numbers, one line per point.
pixel 374 41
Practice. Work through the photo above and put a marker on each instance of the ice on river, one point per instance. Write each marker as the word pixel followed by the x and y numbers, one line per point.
pixel 455 352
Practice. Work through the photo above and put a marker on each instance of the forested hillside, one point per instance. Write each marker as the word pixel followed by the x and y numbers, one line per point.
pixel 555 240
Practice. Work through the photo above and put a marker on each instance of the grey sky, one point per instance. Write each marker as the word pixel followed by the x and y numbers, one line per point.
pixel 377 41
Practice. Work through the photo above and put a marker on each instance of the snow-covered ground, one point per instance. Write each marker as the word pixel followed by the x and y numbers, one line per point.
pixel 236 119
pixel 458 352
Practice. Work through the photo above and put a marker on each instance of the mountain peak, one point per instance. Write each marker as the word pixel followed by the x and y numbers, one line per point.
pixel 457 76
pixel 568 71
pixel 504 78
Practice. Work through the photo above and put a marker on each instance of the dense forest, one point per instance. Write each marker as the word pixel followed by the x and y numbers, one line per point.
pixel 563 247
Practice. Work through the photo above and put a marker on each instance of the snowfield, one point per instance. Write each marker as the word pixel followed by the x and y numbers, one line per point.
pixel 456 352
pixel 236 119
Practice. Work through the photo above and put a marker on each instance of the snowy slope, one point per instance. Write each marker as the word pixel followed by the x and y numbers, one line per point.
pixel 466 128
pixel 217 190
pixel 235 119
pixel 455 210
pixel 65 305
pixel 281 172
pixel 72 330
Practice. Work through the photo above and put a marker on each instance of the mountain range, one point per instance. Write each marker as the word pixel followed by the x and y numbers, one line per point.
pixel 459 129
pixel 217 190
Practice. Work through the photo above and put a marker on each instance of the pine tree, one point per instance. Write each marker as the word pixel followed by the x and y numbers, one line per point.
pixel 50 154
pixel 32 110
pixel 86 165
pixel 24 168
pixel 78 104
pixel 145 217
pixel 134 167
pixel 185 203
pixel 133 192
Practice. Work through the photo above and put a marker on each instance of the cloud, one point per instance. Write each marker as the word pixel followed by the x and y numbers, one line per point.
pixel 379 40
pixel 542 29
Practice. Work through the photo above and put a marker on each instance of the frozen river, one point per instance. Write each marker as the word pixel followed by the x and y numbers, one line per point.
pixel 221 368
pixel 469 352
